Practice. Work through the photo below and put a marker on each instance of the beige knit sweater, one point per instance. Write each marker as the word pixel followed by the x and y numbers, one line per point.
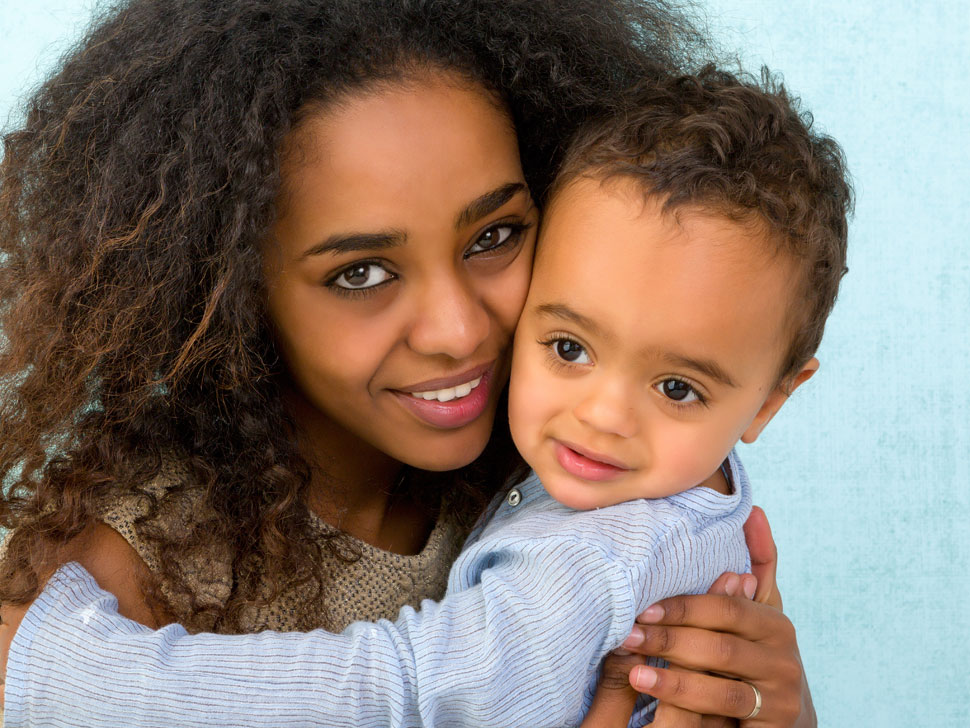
pixel 375 586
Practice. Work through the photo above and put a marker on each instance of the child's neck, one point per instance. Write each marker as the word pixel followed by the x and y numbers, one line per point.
pixel 717 481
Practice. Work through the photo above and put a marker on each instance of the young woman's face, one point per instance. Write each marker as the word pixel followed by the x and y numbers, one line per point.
pixel 401 261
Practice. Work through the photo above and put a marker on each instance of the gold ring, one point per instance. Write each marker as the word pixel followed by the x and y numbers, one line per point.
pixel 757 701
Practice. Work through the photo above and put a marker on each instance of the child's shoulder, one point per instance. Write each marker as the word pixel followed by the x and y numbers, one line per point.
pixel 525 516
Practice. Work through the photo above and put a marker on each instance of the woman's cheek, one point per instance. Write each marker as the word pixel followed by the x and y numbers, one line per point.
pixel 513 290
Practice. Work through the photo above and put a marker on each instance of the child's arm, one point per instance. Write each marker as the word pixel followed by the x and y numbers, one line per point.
pixel 516 641
pixel 467 661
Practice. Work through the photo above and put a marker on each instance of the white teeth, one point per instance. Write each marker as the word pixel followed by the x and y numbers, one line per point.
pixel 449 393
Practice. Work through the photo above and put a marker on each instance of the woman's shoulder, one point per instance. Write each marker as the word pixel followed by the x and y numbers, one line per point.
pixel 164 520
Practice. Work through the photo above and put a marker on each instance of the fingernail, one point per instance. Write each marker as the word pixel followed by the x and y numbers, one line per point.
pixel 731 585
pixel 621 652
pixel 634 640
pixel 749 586
pixel 643 678
pixel 652 614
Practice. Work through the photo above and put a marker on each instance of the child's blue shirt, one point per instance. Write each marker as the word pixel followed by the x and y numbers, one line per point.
pixel 539 595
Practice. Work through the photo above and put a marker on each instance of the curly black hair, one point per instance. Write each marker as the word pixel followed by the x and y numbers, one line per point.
pixel 133 200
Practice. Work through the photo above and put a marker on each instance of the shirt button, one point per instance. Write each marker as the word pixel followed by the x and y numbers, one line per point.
pixel 515 497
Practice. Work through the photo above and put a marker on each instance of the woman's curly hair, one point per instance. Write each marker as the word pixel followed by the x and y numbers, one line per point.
pixel 133 200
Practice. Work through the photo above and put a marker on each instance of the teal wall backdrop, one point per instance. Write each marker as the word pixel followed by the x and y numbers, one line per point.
pixel 866 474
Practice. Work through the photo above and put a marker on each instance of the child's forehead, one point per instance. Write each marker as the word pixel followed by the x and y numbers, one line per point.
pixel 592 218
pixel 653 277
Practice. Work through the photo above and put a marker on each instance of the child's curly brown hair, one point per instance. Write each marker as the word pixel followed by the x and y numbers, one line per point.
pixel 740 147
pixel 132 203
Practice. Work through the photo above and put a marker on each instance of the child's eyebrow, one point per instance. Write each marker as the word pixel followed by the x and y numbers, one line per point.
pixel 704 366
pixel 562 311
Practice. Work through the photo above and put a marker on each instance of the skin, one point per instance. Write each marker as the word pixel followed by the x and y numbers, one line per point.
pixel 423 274
pixel 406 159
pixel 599 338
pixel 649 346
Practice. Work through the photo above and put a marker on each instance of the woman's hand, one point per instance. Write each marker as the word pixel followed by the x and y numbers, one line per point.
pixel 742 642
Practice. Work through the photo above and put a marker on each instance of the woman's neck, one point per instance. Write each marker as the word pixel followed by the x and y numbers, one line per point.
pixel 355 487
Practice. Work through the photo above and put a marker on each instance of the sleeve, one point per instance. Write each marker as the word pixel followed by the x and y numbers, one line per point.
pixel 516 649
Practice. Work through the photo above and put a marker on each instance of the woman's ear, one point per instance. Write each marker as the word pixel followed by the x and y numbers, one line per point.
pixel 777 398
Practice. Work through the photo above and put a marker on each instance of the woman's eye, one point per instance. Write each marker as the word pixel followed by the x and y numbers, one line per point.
pixel 361 276
pixel 571 351
pixel 679 391
pixel 496 237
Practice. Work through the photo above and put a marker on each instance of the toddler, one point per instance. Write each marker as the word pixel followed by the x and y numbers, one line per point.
pixel 690 253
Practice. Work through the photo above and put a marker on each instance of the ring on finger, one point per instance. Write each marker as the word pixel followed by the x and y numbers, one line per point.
pixel 757 701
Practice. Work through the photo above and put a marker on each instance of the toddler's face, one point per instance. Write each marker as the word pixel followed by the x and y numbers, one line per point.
pixel 649 345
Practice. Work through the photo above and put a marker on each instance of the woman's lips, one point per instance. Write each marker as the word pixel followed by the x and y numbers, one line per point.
pixel 458 409
pixel 585 465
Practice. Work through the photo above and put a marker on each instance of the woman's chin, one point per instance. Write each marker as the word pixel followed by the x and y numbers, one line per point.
pixel 452 450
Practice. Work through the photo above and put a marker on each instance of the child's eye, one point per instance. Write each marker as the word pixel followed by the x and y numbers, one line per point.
pixel 571 351
pixel 360 276
pixel 679 391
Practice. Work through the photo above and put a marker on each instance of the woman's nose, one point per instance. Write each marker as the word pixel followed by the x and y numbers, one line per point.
pixel 450 319
pixel 610 408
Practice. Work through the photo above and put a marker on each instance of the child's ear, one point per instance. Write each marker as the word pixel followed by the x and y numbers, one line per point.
pixel 777 398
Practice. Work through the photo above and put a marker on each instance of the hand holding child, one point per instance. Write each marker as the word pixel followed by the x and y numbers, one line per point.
pixel 721 632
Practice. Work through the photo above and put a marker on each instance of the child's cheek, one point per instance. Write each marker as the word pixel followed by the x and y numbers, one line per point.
pixel 692 455
pixel 528 391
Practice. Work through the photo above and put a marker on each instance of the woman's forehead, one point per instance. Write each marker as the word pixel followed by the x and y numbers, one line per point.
pixel 387 158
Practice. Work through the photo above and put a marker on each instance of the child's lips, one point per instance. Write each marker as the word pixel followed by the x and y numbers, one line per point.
pixel 588 464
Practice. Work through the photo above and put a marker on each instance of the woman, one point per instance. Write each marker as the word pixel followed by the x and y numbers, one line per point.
pixel 194 218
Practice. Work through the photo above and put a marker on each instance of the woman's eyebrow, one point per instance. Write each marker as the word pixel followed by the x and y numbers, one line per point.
pixel 355 242
pixel 488 203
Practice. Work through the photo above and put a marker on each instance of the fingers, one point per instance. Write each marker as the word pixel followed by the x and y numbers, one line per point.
pixel 718 721
pixel 695 691
pixel 615 698
pixel 746 619
pixel 670 716
pixel 733 585
pixel 699 649
pixel 764 557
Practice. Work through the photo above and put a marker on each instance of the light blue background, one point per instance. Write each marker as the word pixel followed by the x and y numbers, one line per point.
pixel 866 474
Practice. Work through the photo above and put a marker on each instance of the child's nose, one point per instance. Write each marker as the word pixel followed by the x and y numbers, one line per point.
pixel 610 408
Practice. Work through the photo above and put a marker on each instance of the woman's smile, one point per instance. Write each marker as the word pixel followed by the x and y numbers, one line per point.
pixel 452 401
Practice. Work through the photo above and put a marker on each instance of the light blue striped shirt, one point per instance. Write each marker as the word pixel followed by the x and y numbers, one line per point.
pixel 539 595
